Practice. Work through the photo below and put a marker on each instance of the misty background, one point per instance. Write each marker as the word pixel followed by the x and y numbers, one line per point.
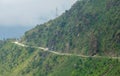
pixel 18 16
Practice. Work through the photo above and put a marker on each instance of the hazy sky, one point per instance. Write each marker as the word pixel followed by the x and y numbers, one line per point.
pixel 30 12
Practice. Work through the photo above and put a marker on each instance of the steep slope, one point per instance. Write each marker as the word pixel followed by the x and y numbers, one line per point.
pixel 19 61
pixel 90 27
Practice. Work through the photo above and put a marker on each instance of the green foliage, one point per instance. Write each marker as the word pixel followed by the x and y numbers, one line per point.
pixel 89 27
pixel 18 61
pixel 1 43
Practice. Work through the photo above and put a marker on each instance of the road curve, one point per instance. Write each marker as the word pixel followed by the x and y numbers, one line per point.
pixel 64 54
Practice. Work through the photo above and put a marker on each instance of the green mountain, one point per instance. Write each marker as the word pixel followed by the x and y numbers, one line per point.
pixel 25 61
pixel 90 28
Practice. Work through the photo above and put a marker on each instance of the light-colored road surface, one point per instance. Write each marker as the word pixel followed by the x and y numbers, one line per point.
pixel 20 44
pixel 58 53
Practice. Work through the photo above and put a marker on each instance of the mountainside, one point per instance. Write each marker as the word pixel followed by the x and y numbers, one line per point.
pixel 90 27
pixel 25 61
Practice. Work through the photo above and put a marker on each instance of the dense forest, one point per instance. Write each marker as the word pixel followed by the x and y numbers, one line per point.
pixel 90 28
pixel 20 61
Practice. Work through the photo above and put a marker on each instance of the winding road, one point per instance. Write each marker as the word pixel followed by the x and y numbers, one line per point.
pixel 64 54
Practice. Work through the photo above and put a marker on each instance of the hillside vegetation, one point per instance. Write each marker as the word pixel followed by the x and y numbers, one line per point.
pixel 21 61
pixel 89 27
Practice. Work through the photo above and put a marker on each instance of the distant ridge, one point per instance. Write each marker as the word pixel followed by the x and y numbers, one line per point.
pixel 13 31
